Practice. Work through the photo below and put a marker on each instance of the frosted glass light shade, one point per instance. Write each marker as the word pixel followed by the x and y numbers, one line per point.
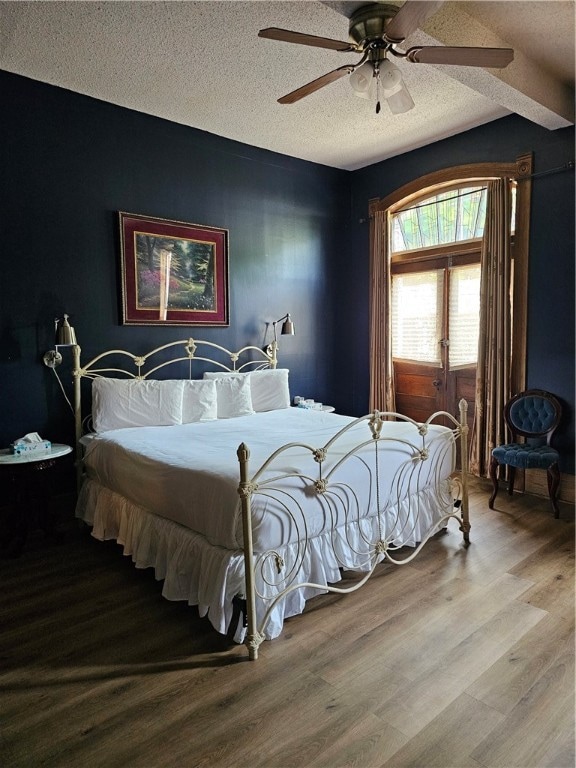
pixel 390 78
pixel 362 81
pixel 401 101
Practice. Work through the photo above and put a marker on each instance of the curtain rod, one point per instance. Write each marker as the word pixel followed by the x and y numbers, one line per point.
pixel 569 166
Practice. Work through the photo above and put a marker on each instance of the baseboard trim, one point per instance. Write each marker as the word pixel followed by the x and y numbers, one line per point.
pixel 536 482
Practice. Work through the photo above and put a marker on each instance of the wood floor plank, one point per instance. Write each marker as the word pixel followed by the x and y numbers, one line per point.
pixel 415 706
pixel 371 743
pixel 512 676
pixel 537 724
pixel 443 673
pixel 460 624
pixel 450 738
pixel 551 567
pixel 495 548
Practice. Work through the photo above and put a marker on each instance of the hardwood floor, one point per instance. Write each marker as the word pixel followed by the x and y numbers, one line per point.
pixel 461 659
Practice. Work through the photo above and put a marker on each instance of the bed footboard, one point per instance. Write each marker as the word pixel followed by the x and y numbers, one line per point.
pixel 380 491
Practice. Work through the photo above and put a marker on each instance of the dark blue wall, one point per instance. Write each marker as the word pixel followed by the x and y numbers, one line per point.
pixel 298 243
pixel 550 354
pixel 69 163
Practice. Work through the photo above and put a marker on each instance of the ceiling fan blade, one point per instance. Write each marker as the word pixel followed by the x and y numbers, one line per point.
pixel 287 36
pixel 410 16
pixel 315 85
pixel 496 58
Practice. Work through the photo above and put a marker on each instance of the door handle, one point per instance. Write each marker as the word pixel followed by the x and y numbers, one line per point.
pixel 437 383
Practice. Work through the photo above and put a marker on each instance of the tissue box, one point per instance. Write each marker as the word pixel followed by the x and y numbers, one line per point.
pixel 20 447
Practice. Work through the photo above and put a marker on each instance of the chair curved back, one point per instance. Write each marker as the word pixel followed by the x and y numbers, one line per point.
pixel 533 413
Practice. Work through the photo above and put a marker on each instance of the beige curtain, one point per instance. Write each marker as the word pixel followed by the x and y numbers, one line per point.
pixel 381 370
pixel 494 347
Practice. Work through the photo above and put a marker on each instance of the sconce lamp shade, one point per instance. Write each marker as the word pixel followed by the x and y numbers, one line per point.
pixel 287 327
pixel 65 334
pixel 65 337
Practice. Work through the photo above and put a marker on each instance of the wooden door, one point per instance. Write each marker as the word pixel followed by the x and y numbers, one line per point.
pixel 435 316
pixel 419 389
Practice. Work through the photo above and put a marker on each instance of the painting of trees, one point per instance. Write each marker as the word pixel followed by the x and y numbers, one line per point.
pixel 174 273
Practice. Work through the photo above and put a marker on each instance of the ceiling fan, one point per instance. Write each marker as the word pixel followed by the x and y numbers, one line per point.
pixel 375 30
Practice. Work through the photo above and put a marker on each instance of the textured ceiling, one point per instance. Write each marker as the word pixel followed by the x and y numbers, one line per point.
pixel 202 64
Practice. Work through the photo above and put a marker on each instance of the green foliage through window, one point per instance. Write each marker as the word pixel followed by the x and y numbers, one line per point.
pixel 447 217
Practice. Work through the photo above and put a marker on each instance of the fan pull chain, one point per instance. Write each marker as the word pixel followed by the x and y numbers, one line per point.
pixel 377 75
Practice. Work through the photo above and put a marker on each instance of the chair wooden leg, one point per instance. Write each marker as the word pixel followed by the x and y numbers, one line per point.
pixel 493 471
pixel 511 478
pixel 553 474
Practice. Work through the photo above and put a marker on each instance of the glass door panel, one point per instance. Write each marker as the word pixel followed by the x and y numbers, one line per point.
pixel 417 300
pixel 464 315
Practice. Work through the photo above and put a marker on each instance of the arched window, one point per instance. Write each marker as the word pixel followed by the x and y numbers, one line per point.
pixel 447 216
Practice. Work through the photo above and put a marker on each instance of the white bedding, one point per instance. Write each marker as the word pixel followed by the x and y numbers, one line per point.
pixel 189 473
pixel 169 495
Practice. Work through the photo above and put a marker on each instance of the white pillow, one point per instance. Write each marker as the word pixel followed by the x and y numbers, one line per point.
pixel 199 402
pixel 269 388
pixel 233 394
pixel 118 403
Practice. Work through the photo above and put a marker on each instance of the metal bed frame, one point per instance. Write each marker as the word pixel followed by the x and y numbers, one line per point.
pixel 270 577
pixel 338 497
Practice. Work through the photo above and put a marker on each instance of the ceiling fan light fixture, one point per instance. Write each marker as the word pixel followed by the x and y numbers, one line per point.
pixel 400 101
pixel 375 30
pixel 362 80
pixel 390 78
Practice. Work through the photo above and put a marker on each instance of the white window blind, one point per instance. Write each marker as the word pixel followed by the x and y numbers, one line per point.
pixel 417 316
pixel 464 315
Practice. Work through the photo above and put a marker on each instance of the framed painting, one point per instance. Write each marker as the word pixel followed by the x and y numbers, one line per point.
pixel 173 273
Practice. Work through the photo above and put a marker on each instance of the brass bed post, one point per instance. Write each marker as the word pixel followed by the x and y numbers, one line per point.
pixel 253 637
pixel 76 351
pixel 465 519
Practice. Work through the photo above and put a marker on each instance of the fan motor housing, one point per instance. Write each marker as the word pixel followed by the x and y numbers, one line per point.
pixel 369 22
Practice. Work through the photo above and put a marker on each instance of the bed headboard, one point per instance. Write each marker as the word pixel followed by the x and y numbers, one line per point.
pixel 118 363
pixel 187 350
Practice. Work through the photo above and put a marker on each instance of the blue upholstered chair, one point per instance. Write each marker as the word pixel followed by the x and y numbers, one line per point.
pixel 534 415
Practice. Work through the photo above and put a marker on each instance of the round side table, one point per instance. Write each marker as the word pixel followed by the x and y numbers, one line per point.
pixel 29 479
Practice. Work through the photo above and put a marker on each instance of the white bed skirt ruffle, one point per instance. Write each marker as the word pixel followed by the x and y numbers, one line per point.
pixel 210 577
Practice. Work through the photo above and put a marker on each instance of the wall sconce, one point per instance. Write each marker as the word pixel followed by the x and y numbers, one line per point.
pixel 65 337
pixel 287 329
pixel 287 326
